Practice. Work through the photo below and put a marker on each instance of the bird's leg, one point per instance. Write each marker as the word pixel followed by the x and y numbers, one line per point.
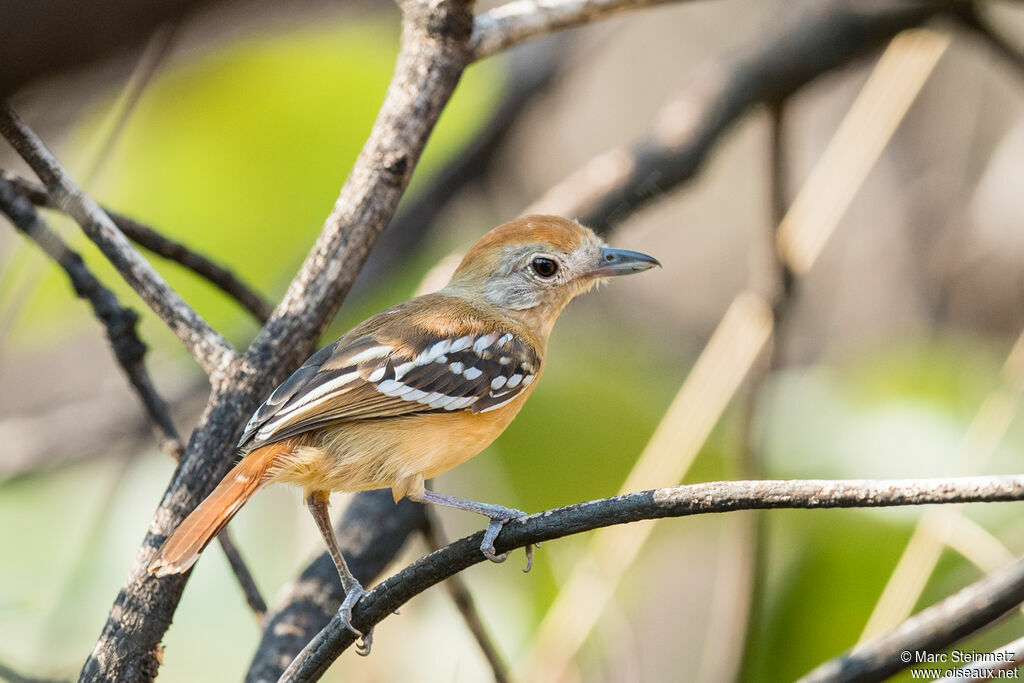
pixel 498 514
pixel 317 504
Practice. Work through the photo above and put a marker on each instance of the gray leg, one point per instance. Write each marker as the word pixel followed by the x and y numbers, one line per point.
pixel 317 504
pixel 498 515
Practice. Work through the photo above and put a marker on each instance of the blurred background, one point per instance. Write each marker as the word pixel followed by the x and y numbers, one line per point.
pixel 893 354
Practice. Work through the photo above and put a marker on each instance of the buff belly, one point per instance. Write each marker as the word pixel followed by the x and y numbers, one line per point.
pixel 395 453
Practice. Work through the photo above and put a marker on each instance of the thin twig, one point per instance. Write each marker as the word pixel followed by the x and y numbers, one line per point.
pixel 679 501
pixel 151 240
pixel 119 323
pixel 512 23
pixel 209 349
pixel 932 630
pixel 458 591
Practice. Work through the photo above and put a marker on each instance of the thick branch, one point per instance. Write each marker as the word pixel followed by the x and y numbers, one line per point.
pixel 531 70
pixel 151 240
pixel 678 501
pixel 820 37
pixel 433 56
pixel 506 25
pixel 932 630
pixel 206 346
pixel 371 532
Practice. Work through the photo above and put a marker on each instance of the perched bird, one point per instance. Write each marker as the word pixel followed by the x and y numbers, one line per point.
pixel 415 390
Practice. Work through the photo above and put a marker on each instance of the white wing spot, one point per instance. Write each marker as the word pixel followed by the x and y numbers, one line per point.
pixel 527 380
pixel 484 341
pixel 370 353
pixel 325 388
pixel 514 381
pixel 457 367
pixel 404 368
pixel 377 374
pixel 472 373
pixel 498 382
pixel 430 353
pixel 460 403
pixel 505 339
pixel 414 395
pixel 505 360
pixel 461 344
pixel 390 387
pixel 435 397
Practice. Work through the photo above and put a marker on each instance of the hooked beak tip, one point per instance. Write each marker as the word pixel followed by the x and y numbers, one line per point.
pixel 623 262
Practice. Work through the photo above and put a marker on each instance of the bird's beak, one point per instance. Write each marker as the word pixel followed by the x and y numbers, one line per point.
pixel 622 262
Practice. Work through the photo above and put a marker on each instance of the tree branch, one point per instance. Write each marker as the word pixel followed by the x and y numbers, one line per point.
pixel 531 71
pixel 821 37
pixel 433 55
pixel 210 349
pixel 932 630
pixel 371 532
pixel 679 501
pixel 129 350
pixel 153 241
pixel 506 25
pixel 118 322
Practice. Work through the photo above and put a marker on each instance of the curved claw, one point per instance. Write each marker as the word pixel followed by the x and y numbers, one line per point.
pixel 529 559
pixel 353 596
pixel 493 529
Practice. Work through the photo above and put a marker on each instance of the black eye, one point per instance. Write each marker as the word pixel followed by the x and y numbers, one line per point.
pixel 544 267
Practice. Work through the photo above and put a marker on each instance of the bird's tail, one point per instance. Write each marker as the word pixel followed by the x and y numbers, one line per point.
pixel 182 547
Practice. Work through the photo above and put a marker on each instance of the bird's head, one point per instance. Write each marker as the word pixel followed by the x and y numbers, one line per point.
pixel 533 266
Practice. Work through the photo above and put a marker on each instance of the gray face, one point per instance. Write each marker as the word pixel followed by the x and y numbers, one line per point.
pixel 535 276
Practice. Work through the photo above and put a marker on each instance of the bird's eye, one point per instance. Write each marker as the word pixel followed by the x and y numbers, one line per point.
pixel 544 267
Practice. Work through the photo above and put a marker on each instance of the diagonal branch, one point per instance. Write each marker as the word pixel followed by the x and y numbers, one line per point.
pixel 433 55
pixel 206 346
pixel 129 350
pixel 679 501
pixel 822 37
pixel 153 241
pixel 514 22
pixel 932 630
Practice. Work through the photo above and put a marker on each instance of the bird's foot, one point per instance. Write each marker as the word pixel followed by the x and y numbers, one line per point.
pixel 352 596
pixel 499 517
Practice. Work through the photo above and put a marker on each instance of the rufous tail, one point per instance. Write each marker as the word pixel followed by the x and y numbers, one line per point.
pixel 182 547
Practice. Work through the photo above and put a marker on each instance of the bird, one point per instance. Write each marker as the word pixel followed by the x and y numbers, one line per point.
pixel 413 391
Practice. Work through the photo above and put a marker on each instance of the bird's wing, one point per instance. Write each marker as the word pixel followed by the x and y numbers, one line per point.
pixel 399 369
